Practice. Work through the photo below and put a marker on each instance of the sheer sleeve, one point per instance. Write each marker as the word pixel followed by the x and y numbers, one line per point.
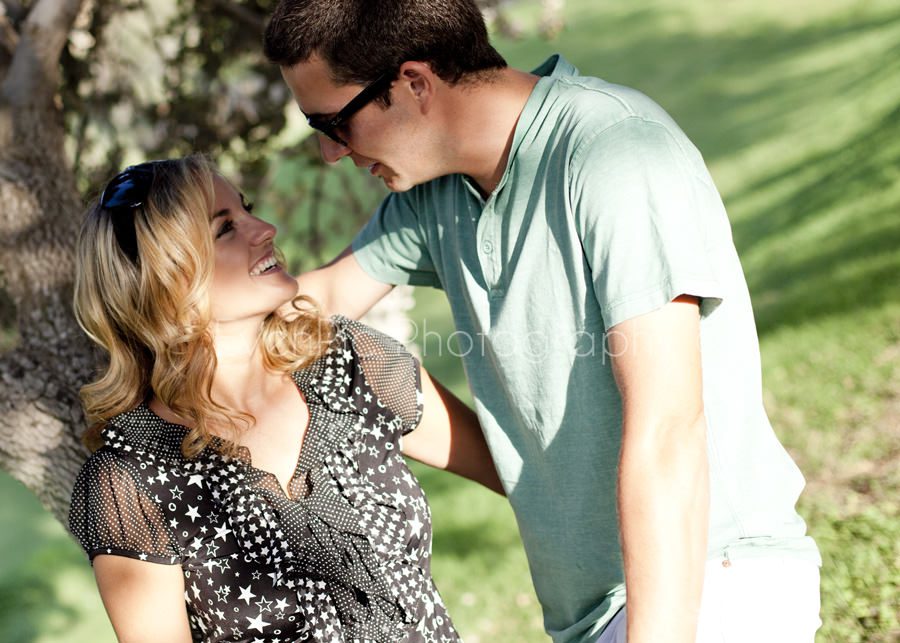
pixel 391 371
pixel 113 513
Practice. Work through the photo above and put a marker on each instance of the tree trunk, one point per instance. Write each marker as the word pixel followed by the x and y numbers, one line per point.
pixel 40 414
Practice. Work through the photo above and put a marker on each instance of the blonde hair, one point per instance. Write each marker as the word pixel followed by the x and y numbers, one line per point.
pixel 152 316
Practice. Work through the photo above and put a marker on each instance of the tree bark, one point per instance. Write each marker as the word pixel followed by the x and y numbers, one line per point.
pixel 40 414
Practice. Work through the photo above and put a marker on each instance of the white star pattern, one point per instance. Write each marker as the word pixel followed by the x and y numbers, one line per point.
pixel 246 594
pixel 256 623
pixel 222 531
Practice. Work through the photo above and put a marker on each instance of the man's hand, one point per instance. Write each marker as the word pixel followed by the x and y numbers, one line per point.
pixel 663 489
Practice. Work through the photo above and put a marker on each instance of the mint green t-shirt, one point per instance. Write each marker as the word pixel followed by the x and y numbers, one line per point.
pixel 605 211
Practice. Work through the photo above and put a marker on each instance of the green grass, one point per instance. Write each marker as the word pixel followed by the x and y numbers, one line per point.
pixel 796 108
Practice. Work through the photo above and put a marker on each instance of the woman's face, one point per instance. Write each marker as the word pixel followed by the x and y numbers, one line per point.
pixel 247 280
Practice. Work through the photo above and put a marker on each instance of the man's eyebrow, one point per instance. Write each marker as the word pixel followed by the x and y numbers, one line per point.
pixel 319 116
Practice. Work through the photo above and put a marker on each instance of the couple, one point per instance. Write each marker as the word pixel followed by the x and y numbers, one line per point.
pixel 248 483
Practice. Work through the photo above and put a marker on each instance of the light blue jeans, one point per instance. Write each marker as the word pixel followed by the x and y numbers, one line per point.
pixel 751 600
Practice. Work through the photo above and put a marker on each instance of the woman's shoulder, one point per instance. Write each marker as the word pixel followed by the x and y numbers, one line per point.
pixel 352 343
pixel 104 461
pixel 116 469
pixel 379 364
pixel 137 446
pixel 363 340
pixel 142 434
pixel 115 509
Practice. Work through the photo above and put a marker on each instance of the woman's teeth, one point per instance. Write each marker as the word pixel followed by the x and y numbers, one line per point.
pixel 263 266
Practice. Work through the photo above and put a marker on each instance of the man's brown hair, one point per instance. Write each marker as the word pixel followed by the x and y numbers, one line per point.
pixel 362 39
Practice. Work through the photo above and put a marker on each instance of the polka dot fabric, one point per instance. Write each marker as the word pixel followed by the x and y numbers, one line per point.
pixel 345 556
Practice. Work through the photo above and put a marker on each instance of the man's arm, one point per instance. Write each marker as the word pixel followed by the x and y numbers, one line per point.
pixel 663 488
pixel 449 437
pixel 342 287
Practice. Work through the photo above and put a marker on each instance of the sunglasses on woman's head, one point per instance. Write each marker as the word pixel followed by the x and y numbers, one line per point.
pixel 126 191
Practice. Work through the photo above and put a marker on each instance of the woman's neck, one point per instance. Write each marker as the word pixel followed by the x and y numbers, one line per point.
pixel 241 380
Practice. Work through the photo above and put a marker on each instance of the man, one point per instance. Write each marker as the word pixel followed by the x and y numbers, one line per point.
pixel 587 255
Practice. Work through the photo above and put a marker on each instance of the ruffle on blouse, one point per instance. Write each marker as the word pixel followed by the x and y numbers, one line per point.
pixel 330 544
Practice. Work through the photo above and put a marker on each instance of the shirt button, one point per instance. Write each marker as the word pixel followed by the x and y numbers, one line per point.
pixel 487 247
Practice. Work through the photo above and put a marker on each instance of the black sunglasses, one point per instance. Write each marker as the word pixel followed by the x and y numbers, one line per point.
pixel 329 126
pixel 126 191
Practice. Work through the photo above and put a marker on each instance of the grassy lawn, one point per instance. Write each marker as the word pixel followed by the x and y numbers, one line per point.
pixel 796 108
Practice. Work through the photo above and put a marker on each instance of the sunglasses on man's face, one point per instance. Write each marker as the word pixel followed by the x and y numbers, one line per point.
pixel 330 126
pixel 126 191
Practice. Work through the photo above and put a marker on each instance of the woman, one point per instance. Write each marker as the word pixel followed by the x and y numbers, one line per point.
pixel 247 482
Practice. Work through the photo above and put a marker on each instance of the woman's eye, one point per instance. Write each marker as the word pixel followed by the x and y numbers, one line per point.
pixel 247 205
pixel 227 226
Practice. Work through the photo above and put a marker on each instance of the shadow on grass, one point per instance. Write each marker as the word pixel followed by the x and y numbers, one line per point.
pixel 858 264
pixel 727 90
pixel 850 170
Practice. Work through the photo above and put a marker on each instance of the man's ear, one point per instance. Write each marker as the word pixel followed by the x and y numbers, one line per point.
pixel 420 81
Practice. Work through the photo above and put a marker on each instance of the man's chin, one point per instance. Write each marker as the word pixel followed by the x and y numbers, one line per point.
pixel 396 183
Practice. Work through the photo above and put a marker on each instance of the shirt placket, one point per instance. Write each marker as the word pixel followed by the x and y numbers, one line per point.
pixel 488 241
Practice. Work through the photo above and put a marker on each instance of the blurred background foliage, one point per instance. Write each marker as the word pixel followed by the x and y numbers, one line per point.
pixel 796 109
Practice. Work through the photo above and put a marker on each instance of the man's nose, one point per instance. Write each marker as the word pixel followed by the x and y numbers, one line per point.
pixel 332 151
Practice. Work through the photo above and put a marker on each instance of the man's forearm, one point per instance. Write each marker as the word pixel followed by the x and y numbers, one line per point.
pixel 342 287
pixel 663 499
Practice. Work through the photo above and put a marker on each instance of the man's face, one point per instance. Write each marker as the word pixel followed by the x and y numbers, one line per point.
pixel 386 142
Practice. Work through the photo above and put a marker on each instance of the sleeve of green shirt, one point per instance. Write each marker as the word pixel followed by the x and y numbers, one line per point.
pixel 649 219
pixel 392 248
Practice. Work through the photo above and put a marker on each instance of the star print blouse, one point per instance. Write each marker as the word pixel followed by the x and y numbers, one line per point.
pixel 344 557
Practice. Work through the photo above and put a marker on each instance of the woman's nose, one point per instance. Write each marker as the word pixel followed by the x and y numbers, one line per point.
pixel 263 231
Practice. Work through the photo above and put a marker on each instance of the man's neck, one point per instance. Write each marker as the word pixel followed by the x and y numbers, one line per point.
pixel 482 123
